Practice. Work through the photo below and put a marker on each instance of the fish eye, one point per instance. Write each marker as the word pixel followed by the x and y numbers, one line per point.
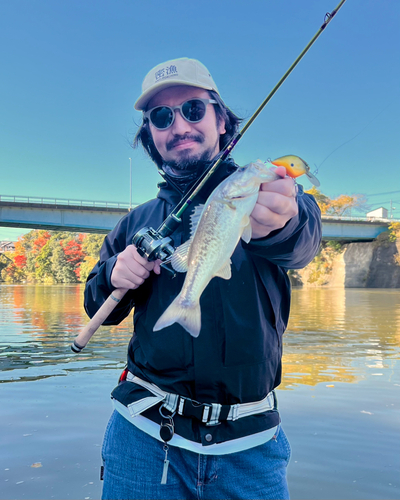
pixel 292 165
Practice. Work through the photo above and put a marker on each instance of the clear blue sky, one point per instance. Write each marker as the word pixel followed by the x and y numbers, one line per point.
pixel 71 71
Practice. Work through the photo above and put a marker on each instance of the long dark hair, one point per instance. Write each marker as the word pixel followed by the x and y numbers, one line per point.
pixel 222 112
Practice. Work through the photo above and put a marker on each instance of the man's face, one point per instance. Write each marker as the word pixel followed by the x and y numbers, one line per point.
pixel 184 143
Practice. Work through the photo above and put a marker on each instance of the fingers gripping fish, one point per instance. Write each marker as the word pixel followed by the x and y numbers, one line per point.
pixel 216 229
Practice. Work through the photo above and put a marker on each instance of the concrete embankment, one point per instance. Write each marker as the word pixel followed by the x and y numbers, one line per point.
pixel 359 265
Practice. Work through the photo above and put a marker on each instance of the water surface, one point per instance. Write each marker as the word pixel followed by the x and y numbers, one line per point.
pixel 339 399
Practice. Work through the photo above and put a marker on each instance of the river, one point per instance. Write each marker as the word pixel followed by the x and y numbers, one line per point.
pixel 339 399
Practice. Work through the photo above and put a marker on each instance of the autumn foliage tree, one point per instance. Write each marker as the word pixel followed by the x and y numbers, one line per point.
pixel 394 231
pixel 394 236
pixel 74 253
pixel 340 206
pixel 52 257
pixel 91 247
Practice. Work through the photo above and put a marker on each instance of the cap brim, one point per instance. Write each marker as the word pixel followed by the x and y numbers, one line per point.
pixel 141 103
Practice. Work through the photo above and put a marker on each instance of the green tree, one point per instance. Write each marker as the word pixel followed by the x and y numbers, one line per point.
pixel 86 267
pixel 63 271
pixel 44 271
pixel 92 243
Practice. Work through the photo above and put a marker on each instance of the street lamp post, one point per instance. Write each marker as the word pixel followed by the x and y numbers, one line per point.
pixel 130 184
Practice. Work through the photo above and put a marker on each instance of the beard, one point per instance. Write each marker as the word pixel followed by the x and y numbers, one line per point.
pixel 189 162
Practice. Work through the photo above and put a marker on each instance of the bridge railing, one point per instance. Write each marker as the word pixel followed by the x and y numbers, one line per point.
pixel 360 218
pixel 116 204
pixel 63 201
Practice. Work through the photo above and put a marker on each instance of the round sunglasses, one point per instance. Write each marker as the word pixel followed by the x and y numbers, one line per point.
pixel 193 111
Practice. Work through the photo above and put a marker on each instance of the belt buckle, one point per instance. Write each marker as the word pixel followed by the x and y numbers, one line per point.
pixel 190 408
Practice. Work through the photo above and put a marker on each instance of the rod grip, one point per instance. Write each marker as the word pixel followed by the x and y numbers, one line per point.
pixel 98 319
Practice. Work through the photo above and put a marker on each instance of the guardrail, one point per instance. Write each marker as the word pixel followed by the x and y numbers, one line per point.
pixel 63 201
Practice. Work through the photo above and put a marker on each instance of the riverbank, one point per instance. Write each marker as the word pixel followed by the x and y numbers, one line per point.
pixel 353 265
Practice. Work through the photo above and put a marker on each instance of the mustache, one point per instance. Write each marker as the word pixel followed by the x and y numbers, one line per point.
pixel 177 139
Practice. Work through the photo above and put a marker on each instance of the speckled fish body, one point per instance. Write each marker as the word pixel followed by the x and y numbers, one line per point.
pixel 216 230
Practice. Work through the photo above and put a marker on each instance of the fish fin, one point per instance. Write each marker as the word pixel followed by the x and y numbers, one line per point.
pixel 225 272
pixel 188 317
pixel 247 231
pixel 195 218
pixel 179 259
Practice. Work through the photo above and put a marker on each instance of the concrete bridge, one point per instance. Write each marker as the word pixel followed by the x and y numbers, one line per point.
pixel 60 214
pixel 100 217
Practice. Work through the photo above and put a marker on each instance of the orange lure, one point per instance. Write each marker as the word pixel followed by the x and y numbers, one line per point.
pixel 295 167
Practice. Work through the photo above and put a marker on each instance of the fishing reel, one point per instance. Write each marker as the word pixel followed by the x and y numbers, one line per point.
pixel 152 245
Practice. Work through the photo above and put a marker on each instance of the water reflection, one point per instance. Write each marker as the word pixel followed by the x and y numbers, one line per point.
pixel 37 325
pixel 334 335
pixel 341 335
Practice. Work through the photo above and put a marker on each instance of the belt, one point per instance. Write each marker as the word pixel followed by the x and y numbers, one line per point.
pixel 208 413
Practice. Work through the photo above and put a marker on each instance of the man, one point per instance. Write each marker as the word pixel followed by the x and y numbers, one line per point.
pixel 212 394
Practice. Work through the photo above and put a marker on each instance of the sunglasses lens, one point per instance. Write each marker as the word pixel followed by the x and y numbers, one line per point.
pixel 161 117
pixel 194 110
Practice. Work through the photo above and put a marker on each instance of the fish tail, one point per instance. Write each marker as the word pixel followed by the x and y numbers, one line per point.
pixel 188 316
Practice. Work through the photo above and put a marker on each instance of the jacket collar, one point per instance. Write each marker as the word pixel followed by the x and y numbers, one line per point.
pixel 173 192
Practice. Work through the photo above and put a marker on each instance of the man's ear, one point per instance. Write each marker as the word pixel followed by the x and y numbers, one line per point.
pixel 221 127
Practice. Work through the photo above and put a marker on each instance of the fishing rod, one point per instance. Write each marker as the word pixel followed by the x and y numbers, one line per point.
pixel 173 220
pixel 157 244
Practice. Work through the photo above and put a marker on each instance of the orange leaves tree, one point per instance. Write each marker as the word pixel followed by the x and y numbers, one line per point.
pixel 49 257
pixel 394 231
pixel 394 236
pixel 91 247
pixel 74 254
pixel 340 206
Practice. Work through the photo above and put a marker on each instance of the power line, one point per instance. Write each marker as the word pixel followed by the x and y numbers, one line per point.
pixel 378 194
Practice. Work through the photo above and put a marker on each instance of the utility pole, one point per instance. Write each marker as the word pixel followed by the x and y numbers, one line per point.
pixel 391 209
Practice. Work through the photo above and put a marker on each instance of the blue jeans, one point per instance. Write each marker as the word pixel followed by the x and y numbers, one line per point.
pixel 133 465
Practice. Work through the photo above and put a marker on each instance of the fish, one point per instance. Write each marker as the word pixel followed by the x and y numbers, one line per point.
pixel 216 229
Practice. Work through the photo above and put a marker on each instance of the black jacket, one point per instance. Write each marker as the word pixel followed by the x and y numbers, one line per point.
pixel 237 356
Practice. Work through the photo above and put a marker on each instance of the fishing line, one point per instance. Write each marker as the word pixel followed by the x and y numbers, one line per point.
pixel 362 130
pixel 174 219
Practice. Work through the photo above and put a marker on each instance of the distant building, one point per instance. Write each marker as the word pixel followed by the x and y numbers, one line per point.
pixel 7 246
pixel 378 213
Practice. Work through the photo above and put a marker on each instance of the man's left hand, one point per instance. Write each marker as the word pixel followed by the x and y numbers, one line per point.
pixel 276 205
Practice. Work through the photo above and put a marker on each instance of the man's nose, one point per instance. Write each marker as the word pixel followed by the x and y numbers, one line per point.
pixel 180 125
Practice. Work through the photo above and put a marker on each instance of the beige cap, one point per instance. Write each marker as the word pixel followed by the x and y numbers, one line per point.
pixel 181 71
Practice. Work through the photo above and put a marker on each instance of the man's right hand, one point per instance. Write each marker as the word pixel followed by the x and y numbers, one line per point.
pixel 131 269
